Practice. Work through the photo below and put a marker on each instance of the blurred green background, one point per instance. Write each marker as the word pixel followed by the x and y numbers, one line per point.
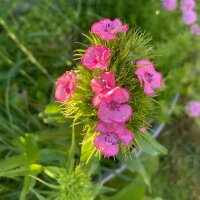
pixel 37 40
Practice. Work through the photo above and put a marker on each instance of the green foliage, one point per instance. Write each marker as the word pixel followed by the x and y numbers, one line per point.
pixel 73 186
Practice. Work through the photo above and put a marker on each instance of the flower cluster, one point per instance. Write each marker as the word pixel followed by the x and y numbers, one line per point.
pixel 189 13
pixel 193 108
pixel 111 101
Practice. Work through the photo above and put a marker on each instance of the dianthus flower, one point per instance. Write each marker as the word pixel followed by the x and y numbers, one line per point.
pixel 193 108
pixel 65 86
pixel 107 29
pixel 146 74
pixel 111 134
pixel 187 5
pixel 96 57
pixel 101 86
pixel 112 107
pixel 189 17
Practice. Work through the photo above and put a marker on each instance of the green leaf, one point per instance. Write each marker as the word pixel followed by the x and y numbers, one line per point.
pixel 134 191
pixel 134 165
pixel 13 162
pixel 22 171
pixel 87 154
pixel 150 146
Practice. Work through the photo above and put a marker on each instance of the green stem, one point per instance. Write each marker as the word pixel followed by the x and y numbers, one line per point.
pixel 72 149
pixel 25 188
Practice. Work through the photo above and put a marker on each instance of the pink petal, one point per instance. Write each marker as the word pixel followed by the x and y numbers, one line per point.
pixel 96 100
pixel 109 127
pixel 117 95
pixel 109 78
pixel 126 137
pixel 121 95
pixel 148 90
pixel 104 113
pixel 96 57
pixel 122 114
pixel 157 80
pixel 96 85
pixel 61 94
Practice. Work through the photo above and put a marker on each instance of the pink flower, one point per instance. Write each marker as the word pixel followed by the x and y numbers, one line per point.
pixel 187 5
pixel 102 86
pixel 195 29
pixel 112 107
pixel 169 4
pixel 107 144
pixel 65 86
pixel 125 135
pixel 96 57
pixel 189 17
pixel 146 74
pixel 193 108
pixel 107 29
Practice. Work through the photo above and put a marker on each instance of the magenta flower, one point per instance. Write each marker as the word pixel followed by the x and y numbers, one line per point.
pixel 146 74
pixel 187 5
pixel 189 17
pixel 102 86
pixel 96 57
pixel 195 29
pixel 125 135
pixel 193 108
pixel 107 144
pixel 112 107
pixel 169 4
pixel 65 86
pixel 107 29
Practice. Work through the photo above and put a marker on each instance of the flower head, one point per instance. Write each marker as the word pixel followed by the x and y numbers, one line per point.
pixel 112 107
pixel 107 144
pixel 107 29
pixel 189 17
pixel 96 57
pixel 102 86
pixel 193 108
pixel 124 135
pixel 146 74
pixel 65 86
pixel 187 5
pixel 169 4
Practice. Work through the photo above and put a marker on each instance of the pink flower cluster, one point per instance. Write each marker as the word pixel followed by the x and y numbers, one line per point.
pixel 189 14
pixel 109 99
pixel 113 113
pixel 193 108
